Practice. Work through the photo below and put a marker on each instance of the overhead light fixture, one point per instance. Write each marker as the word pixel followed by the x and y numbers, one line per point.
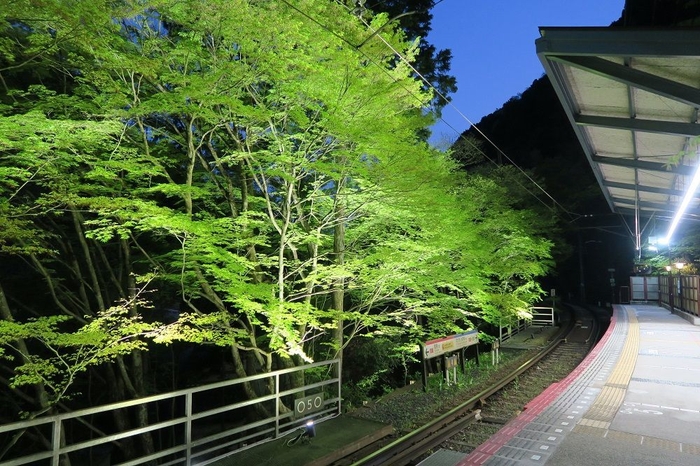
pixel 689 194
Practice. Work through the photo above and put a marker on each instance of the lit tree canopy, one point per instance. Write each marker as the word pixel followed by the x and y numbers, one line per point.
pixel 248 166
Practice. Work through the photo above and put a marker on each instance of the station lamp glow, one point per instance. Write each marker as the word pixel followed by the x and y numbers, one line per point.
pixel 689 194
pixel 652 242
pixel 680 265
pixel 310 429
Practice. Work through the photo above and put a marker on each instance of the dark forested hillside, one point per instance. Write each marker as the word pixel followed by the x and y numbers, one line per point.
pixel 532 131
pixel 657 13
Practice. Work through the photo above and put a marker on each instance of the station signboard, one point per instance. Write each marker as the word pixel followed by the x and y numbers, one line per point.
pixel 435 348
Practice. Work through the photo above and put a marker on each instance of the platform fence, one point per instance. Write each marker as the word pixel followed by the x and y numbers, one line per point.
pixel 643 289
pixel 197 425
pixel 679 292
pixel 541 317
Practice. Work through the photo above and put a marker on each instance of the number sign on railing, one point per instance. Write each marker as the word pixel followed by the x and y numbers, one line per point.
pixel 308 405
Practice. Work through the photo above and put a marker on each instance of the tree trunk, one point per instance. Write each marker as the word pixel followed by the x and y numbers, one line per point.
pixel 121 421
pixel 137 369
pixel 42 398
pixel 248 389
pixel 339 290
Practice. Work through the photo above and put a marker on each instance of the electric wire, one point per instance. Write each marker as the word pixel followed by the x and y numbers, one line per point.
pixel 476 128
pixel 446 100
pixel 461 114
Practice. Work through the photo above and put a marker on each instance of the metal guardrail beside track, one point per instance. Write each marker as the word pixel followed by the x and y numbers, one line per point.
pixel 202 424
pixel 541 317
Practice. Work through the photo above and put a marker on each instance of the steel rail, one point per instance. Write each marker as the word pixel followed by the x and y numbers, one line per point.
pixel 433 433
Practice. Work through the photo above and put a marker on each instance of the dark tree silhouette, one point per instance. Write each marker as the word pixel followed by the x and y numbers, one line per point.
pixel 415 19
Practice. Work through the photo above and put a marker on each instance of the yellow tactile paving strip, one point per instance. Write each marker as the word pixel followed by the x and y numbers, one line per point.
pixel 597 420
pixel 610 398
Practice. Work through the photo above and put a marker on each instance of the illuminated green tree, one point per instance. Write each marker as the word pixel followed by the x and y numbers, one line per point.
pixel 244 164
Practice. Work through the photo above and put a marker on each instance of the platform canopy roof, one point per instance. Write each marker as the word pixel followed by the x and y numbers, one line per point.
pixel 632 97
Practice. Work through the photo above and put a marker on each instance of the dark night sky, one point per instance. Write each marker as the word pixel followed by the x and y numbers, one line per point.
pixel 493 48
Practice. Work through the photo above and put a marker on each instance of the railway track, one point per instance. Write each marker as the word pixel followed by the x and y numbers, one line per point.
pixel 468 425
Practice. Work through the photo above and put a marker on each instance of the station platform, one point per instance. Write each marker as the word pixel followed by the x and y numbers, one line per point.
pixel 633 401
pixel 334 439
pixel 530 338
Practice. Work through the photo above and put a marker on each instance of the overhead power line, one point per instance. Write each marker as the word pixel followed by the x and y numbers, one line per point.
pixel 377 33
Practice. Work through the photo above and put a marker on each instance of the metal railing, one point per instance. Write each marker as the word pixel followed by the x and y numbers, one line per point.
pixel 511 327
pixel 196 425
pixel 541 317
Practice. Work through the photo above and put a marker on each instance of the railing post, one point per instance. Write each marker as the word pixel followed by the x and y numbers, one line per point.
pixel 340 385
pixel 277 405
pixel 188 427
pixel 56 442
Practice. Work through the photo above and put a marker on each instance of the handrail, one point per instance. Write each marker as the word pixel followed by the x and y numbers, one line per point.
pixel 182 445
pixel 541 316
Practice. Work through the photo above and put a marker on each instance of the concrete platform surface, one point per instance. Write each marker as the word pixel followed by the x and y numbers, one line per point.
pixel 531 337
pixel 335 438
pixel 635 400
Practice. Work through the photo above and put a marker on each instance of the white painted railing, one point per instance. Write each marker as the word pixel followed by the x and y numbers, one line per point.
pixel 541 317
pixel 511 327
pixel 194 426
